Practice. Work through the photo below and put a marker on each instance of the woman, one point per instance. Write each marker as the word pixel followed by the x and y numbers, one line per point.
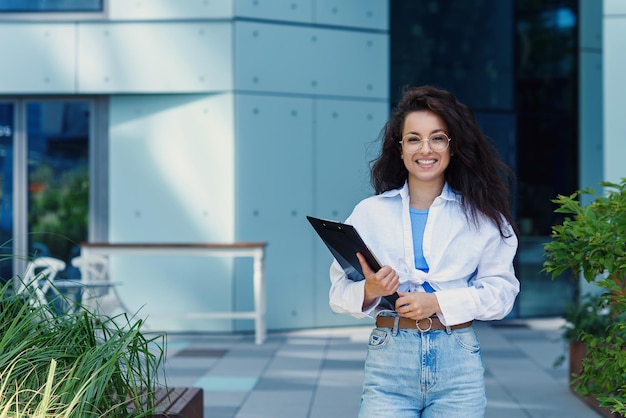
pixel 441 226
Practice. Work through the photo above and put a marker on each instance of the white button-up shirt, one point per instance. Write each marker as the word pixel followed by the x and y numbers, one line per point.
pixel 470 266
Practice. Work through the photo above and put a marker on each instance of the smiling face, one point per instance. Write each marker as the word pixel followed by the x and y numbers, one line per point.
pixel 425 165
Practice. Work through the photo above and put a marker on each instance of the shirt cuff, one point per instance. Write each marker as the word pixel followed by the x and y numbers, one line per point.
pixel 349 300
pixel 457 306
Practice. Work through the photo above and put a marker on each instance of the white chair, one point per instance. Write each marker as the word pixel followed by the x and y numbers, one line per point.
pixel 99 292
pixel 39 279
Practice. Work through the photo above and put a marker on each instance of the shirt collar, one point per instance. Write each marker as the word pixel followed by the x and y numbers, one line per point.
pixel 447 193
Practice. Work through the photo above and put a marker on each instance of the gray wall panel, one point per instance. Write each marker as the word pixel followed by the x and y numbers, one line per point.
pixel 274 177
pixel 156 57
pixel 38 57
pixel 316 61
pixel 171 180
pixel 285 10
pixel 169 9
pixel 614 68
pixel 346 140
pixel 370 14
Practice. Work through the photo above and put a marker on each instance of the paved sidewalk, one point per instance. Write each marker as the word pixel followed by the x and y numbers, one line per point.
pixel 318 373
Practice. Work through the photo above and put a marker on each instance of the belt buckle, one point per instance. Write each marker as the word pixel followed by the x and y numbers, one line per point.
pixel 430 324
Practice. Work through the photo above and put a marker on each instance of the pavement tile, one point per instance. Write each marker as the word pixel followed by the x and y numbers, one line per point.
pixel 318 373
pixel 276 403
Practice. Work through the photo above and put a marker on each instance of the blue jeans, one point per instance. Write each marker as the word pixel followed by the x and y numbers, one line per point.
pixel 434 374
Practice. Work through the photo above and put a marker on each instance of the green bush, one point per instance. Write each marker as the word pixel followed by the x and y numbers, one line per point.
pixel 591 240
pixel 73 365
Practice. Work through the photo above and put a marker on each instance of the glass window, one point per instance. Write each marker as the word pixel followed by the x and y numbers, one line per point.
pixel 462 46
pixel 547 104
pixel 546 86
pixel 6 190
pixel 58 177
pixel 29 6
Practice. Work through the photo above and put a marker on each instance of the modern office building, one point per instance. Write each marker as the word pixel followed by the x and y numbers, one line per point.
pixel 228 121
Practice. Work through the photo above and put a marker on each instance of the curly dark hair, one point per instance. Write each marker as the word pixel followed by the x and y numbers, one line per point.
pixel 475 171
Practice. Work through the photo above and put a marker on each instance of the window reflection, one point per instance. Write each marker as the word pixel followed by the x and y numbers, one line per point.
pixel 58 181
pixel 547 148
pixel 6 190
pixel 51 6
pixel 547 103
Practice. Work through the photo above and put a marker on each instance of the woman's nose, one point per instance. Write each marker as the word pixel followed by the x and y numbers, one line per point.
pixel 425 147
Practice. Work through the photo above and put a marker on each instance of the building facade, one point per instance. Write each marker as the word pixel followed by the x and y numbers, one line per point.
pixel 230 121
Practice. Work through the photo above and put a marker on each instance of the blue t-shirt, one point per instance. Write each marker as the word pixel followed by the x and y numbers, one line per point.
pixel 418 224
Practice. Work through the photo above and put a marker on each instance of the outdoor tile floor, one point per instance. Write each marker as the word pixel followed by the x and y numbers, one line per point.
pixel 318 373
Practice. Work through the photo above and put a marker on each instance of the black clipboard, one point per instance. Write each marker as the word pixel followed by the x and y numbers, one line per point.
pixel 344 242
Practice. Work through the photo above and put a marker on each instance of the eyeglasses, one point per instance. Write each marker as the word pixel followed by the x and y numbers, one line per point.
pixel 437 142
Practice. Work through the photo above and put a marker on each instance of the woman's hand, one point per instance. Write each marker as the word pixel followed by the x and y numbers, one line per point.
pixel 381 283
pixel 417 305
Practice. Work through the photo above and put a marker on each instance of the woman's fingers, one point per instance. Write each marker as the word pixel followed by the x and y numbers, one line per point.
pixel 381 283
pixel 364 266
pixel 417 305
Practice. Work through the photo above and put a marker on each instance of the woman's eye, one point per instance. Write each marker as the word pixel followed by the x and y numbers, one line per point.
pixel 413 139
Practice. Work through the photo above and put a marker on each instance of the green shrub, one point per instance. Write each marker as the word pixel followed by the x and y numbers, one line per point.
pixel 591 240
pixel 73 364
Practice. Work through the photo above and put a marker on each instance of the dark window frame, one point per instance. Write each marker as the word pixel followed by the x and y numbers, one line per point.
pixel 56 15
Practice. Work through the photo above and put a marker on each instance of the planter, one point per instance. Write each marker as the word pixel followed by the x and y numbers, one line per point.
pixel 576 356
pixel 178 402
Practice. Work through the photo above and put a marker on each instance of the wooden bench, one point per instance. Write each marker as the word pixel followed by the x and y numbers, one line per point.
pixel 177 402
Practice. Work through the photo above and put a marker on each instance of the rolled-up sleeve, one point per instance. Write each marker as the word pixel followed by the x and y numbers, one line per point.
pixel 491 293
pixel 346 296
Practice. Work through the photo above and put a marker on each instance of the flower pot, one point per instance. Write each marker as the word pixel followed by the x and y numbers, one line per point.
pixel 576 356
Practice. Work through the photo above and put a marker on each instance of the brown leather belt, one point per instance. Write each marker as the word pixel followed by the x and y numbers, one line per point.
pixel 426 324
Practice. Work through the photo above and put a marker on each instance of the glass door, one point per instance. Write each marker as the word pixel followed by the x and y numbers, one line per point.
pixel 46 168
pixel 57 134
